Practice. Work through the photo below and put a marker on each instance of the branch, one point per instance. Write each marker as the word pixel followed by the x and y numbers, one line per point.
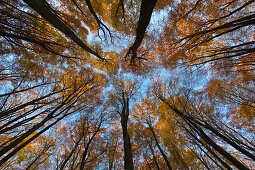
pixel 44 9
pixel 100 24
pixel 146 10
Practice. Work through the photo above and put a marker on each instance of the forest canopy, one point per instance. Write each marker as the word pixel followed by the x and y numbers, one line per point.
pixel 127 84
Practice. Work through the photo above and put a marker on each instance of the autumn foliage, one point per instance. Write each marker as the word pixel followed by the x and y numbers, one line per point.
pixel 127 84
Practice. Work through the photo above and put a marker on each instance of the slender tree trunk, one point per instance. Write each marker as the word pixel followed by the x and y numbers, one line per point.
pixel 44 9
pixel 12 110
pixel 154 157
pixel 111 160
pixel 12 153
pixel 45 149
pixel 70 154
pixel 215 146
pixel 201 160
pixel 128 155
pixel 231 142
pixel 198 142
pixel 146 10
pixel 85 153
pixel 196 126
pixel 160 149
pixel 4 126
pixel 218 158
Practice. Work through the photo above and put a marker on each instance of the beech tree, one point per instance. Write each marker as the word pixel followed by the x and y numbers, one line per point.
pixel 199 122
pixel 130 84
pixel 120 98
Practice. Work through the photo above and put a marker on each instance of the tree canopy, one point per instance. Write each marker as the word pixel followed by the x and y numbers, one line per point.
pixel 127 84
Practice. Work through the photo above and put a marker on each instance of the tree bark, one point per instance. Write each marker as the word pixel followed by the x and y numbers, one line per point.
pixel 128 155
pixel 146 10
pixel 85 153
pixel 43 8
pixel 160 149
pixel 70 154
pixel 195 125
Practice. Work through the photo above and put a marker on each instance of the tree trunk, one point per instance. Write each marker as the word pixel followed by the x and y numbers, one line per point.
pixel 160 149
pixel 128 155
pixel 43 8
pixel 196 126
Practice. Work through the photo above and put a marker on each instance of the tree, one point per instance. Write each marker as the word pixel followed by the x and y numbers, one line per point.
pixel 199 122
pixel 239 95
pixel 146 109
pixel 84 145
pixel 82 84
pixel 124 90
pixel 44 112
pixel 220 37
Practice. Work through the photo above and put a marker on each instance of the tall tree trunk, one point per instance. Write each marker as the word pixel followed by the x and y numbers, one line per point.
pixel 12 153
pixel 197 141
pixel 196 126
pixel 153 154
pixel 85 153
pixel 215 146
pixel 44 9
pixel 146 10
pixel 128 155
pixel 160 149
pixel 70 154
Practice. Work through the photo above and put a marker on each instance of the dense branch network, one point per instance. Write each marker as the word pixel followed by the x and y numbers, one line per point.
pixel 62 109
